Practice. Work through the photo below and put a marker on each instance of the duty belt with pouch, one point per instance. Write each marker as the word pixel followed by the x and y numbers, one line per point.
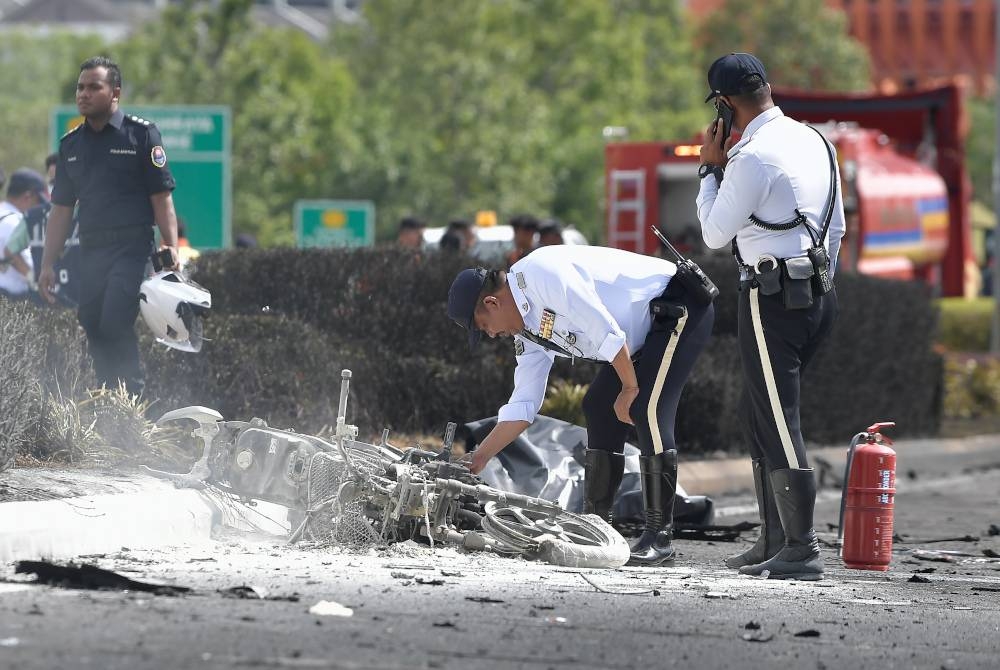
pixel 798 279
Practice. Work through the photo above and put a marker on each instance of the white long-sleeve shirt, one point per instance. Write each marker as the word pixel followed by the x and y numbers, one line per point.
pixel 777 166
pixel 600 301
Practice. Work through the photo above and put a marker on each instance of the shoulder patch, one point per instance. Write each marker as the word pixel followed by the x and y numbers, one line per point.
pixel 521 283
pixel 71 131
pixel 158 156
pixel 518 347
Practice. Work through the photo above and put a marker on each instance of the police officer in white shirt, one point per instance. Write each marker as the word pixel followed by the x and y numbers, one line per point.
pixel 774 196
pixel 605 305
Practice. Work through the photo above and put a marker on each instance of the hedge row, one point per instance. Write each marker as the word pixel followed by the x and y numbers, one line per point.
pixel 285 322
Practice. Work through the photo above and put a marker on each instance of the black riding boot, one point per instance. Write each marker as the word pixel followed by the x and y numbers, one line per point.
pixel 659 484
pixel 603 471
pixel 772 537
pixel 799 558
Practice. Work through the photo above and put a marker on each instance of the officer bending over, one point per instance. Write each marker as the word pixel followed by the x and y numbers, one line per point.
pixel 115 167
pixel 774 197
pixel 598 304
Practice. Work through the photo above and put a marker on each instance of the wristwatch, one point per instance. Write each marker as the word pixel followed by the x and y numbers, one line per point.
pixel 706 169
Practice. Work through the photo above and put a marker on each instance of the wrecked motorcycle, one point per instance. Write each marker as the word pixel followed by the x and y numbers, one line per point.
pixel 347 492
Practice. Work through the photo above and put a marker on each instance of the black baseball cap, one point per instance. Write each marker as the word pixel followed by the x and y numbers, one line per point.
pixel 463 296
pixel 27 181
pixel 734 73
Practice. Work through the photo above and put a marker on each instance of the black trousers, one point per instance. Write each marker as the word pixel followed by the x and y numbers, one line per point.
pixel 662 367
pixel 109 303
pixel 776 345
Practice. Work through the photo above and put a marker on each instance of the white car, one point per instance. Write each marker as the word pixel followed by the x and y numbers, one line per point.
pixel 494 242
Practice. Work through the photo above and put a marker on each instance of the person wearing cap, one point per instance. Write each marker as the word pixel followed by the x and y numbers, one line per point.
pixel 525 228
pixel 26 189
pixel 774 198
pixel 114 167
pixel 621 310
pixel 30 235
pixel 550 233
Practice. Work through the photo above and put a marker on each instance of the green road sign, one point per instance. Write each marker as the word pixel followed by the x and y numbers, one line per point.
pixel 197 142
pixel 334 223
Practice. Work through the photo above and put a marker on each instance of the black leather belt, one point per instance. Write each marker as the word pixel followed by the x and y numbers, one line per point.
pixel 111 237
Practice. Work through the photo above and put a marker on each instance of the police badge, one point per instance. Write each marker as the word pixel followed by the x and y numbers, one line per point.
pixel 548 321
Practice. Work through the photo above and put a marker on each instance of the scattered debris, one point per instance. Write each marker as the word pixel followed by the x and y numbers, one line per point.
pixel 330 608
pixel 90 577
pixel 483 599
pixel 616 592
pixel 444 624
pixel 918 579
pixel 925 570
pixel 808 632
pixel 989 553
pixel 9 642
pixel 752 625
pixel 430 581
pixel 451 573
pixel 994 530
pixel 938 556
pixel 758 636
pixel 245 592
pixel 986 588
pixel 961 538
pixel 201 560
pixel 730 533
pixel 396 574
pixel 720 595
pixel 555 619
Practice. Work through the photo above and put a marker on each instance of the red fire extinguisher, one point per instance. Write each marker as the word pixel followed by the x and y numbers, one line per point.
pixel 866 504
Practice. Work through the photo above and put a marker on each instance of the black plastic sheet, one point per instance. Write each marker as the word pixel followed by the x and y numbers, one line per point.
pixel 546 461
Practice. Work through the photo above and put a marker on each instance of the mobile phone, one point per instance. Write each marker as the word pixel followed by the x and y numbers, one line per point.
pixel 726 113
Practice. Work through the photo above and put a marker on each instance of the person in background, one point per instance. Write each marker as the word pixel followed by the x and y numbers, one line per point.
pixel 185 252
pixel 525 228
pixel 30 235
pixel 465 233
pixel 27 189
pixel 411 233
pixel 550 232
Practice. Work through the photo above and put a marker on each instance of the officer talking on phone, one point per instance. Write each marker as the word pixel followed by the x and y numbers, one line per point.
pixel 115 167
pixel 774 197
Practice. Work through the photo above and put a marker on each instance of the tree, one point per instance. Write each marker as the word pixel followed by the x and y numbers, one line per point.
pixel 980 147
pixel 290 103
pixel 803 43
pixel 35 74
pixel 500 105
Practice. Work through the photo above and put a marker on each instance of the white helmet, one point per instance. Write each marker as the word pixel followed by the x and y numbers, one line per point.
pixel 172 306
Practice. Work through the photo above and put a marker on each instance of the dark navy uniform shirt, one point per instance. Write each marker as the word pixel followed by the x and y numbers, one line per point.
pixel 67 267
pixel 112 173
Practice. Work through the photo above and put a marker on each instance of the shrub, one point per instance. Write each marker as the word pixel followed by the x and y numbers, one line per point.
pixel 966 324
pixel 972 386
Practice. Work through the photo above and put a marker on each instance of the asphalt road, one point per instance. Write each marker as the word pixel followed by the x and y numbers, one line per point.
pixel 412 607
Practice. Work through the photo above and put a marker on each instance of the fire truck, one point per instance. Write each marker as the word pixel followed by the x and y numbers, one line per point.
pixel 903 178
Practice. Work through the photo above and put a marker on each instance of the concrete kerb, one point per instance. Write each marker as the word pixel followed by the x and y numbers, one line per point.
pixel 157 514
pixel 928 456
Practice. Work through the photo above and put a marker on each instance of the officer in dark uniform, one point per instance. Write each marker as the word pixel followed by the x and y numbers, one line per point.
pixel 774 199
pixel 115 167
